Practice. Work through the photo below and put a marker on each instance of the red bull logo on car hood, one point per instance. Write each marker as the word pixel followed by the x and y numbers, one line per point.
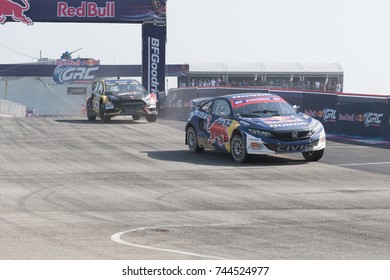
pixel 12 9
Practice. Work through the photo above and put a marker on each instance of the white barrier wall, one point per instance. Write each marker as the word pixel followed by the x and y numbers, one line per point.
pixel 44 96
pixel 12 109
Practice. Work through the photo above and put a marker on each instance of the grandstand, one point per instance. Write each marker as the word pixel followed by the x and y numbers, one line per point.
pixel 307 76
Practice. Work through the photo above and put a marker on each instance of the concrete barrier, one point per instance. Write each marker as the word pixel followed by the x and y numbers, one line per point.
pixel 12 109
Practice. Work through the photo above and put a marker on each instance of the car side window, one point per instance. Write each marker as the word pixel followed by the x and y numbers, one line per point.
pixel 206 107
pixel 221 108
pixel 100 88
pixel 94 87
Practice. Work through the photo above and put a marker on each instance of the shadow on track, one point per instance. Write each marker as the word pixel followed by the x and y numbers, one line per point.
pixel 216 158
pixel 111 122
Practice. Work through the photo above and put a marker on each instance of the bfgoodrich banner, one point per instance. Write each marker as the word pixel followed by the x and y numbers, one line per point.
pixel 153 57
pixel 109 11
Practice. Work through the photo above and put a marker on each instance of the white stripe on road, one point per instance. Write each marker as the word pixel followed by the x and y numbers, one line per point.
pixel 117 238
pixel 364 163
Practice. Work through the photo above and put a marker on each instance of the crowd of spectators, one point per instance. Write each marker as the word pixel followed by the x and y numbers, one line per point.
pixel 310 84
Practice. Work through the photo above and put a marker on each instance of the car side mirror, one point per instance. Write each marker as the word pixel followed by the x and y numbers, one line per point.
pixel 296 107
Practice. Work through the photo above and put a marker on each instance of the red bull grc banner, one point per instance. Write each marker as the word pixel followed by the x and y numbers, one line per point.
pixel 75 71
pixel 119 11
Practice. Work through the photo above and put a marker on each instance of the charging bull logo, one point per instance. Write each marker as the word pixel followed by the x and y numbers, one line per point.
pixel 14 10
pixel 218 130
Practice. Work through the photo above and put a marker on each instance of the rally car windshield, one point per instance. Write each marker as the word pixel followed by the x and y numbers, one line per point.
pixel 264 109
pixel 125 87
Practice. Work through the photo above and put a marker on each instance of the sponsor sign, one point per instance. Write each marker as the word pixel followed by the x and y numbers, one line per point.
pixel 86 10
pixel 322 107
pixel 369 118
pixel 76 91
pixel 78 71
pixel 118 11
pixel 362 116
pixel 153 55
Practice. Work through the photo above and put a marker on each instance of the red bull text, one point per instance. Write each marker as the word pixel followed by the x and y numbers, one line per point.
pixel 86 9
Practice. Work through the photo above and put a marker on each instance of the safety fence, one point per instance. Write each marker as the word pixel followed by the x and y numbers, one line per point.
pixel 12 109
pixel 352 115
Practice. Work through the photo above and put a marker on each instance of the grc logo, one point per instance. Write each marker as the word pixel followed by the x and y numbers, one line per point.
pixel 329 115
pixel 372 119
pixel 9 8
pixel 74 74
pixel 89 9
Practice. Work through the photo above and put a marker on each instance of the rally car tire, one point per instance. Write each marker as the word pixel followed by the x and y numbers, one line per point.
pixel 90 114
pixel 314 155
pixel 151 118
pixel 102 114
pixel 192 141
pixel 136 117
pixel 238 149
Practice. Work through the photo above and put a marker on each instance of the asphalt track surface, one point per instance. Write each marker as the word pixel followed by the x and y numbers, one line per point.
pixel 74 189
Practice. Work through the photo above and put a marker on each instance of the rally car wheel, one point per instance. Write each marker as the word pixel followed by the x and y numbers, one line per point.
pixel 192 141
pixel 314 155
pixel 136 117
pixel 151 118
pixel 102 114
pixel 237 149
pixel 90 114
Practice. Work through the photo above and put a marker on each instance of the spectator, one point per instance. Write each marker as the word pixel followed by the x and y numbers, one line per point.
pixel 338 87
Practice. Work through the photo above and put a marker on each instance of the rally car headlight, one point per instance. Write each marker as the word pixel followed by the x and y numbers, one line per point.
pixel 151 100
pixel 112 97
pixel 260 133
pixel 316 128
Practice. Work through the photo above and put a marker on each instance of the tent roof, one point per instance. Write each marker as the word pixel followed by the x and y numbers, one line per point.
pixel 264 68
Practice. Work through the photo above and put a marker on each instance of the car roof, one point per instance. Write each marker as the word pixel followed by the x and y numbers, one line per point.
pixel 247 95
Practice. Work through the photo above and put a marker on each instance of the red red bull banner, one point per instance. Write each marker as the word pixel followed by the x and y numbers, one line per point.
pixel 96 11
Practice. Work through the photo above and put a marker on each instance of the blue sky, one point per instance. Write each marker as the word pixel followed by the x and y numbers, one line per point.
pixel 349 32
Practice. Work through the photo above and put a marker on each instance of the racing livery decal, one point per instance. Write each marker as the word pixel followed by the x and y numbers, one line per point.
pixel 283 121
pixel 241 100
pixel 218 130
